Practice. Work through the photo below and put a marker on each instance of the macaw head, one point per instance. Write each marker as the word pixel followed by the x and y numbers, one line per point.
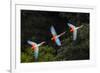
pixel 53 38
pixel 71 30
pixel 33 46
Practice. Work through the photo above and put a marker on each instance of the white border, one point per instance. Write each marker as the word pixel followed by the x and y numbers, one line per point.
pixel 16 66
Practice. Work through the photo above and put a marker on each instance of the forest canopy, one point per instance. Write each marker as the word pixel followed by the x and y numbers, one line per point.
pixel 35 26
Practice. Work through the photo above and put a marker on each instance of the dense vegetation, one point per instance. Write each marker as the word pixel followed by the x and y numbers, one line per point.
pixel 35 26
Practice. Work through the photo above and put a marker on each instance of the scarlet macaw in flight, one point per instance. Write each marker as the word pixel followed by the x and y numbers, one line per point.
pixel 55 37
pixel 74 30
pixel 35 47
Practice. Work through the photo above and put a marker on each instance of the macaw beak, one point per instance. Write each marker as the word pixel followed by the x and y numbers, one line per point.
pixel 32 48
pixel 71 30
pixel 51 38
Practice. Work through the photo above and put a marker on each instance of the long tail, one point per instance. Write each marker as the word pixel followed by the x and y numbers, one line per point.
pixel 36 55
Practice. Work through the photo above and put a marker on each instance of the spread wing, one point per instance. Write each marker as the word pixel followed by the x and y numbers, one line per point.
pixel 41 43
pixel 58 42
pixel 79 27
pixel 53 31
pixel 75 35
pixel 31 43
pixel 70 25
pixel 61 34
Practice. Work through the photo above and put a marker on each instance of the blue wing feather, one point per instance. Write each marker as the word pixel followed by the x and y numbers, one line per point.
pixel 53 31
pixel 58 42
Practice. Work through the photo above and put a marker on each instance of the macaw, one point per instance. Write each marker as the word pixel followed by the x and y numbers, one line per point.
pixel 35 47
pixel 55 37
pixel 74 30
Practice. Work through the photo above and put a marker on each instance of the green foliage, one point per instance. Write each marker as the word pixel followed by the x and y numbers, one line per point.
pixel 25 57
pixel 46 53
